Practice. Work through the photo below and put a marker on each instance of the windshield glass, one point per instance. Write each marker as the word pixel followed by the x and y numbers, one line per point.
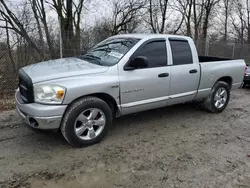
pixel 110 51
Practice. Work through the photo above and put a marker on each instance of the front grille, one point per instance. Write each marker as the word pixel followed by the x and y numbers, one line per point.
pixel 26 87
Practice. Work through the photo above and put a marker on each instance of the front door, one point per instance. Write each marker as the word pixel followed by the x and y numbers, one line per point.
pixel 146 88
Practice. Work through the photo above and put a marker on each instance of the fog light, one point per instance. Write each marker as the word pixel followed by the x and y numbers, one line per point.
pixel 33 122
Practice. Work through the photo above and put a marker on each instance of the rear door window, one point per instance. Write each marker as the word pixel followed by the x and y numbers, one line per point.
pixel 181 52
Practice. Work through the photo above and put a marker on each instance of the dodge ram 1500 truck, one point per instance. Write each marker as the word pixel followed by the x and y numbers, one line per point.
pixel 121 75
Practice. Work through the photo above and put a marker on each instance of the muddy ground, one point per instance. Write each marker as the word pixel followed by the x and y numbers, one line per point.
pixel 178 146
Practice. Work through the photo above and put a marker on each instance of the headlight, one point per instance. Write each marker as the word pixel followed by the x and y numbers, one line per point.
pixel 49 94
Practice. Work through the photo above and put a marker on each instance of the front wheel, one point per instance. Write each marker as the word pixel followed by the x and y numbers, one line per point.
pixel 218 99
pixel 86 121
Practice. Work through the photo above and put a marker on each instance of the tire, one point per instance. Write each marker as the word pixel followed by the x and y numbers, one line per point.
pixel 210 102
pixel 76 115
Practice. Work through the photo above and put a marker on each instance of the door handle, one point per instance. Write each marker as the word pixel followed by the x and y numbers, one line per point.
pixel 193 71
pixel 163 75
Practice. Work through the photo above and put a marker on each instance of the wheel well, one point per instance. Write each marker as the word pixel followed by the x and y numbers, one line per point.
pixel 107 98
pixel 228 80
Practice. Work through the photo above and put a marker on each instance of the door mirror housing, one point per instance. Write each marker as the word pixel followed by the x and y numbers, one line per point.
pixel 138 62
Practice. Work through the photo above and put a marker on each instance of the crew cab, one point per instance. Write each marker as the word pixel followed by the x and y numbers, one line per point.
pixel 121 75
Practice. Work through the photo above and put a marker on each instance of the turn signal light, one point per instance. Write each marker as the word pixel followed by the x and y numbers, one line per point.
pixel 60 94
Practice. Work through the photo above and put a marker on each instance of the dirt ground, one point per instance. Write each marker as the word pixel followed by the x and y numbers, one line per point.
pixel 178 146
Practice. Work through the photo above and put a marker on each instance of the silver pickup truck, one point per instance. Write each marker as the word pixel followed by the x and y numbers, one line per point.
pixel 121 75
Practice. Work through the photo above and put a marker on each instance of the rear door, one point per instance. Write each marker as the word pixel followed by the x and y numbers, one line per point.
pixel 185 73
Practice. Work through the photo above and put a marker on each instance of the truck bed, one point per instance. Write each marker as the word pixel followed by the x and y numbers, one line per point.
pixel 203 59
pixel 212 71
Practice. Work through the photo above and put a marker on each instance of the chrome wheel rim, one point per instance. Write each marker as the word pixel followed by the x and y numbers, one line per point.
pixel 220 98
pixel 89 124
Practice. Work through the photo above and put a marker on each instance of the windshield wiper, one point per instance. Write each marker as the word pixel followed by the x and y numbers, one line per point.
pixel 101 49
pixel 90 56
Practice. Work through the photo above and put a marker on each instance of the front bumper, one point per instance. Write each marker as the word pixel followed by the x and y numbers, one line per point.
pixel 40 116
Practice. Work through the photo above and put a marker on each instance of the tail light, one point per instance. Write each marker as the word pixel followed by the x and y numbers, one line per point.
pixel 245 71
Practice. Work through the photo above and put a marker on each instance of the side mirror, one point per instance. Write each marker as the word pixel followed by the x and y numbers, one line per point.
pixel 137 62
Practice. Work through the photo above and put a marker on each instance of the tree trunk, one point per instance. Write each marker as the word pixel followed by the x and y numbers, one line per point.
pixel 163 7
pixel 9 49
pixel 49 41
pixel 40 33
pixel 151 17
pixel 205 27
pixel 226 4
pixel 68 34
pixel 225 29
pixel 78 40
pixel 189 33
pixel 248 21
pixel 196 24
pixel 46 29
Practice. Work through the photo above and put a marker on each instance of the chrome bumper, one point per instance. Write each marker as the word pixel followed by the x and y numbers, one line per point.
pixel 40 116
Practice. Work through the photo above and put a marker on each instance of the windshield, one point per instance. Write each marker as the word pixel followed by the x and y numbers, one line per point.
pixel 110 51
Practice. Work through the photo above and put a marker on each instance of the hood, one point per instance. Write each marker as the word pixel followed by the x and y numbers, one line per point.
pixel 61 68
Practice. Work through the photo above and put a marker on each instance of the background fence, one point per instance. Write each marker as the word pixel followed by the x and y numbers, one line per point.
pixel 223 49
pixel 10 63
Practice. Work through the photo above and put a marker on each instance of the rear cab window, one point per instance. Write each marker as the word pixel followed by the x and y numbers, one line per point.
pixel 181 52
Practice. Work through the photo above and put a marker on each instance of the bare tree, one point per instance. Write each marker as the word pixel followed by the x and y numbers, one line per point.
pixel 227 5
pixel 9 48
pixel 77 21
pixel 69 15
pixel 158 15
pixel 15 24
pixel 101 30
pixel 125 15
pixel 38 7
pixel 35 12
pixel 197 19
pixel 198 14
pixel 208 8
pixel 185 8
pixel 65 15
pixel 238 21
pixel 248 21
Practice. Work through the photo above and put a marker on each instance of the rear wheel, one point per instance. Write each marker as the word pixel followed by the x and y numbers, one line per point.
pixel 218 99
pixel 86 121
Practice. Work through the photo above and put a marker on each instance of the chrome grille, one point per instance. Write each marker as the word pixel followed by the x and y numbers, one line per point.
pixel 26 87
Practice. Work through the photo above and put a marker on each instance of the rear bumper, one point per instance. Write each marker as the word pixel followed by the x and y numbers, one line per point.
pixel 247 79
pixel 40 116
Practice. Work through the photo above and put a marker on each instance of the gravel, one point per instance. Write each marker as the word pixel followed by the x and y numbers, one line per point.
pixel 177 146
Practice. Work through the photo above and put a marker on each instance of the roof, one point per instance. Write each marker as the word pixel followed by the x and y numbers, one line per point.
pixel 148 36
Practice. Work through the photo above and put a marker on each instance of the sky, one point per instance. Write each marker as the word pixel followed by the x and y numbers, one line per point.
pixel 94 10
